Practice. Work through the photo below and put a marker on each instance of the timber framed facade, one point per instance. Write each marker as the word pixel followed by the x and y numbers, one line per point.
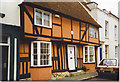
pixel 58 43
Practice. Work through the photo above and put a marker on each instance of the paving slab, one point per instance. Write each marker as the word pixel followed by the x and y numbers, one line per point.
pixel 82 76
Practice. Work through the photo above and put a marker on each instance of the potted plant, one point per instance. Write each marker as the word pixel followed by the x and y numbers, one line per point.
pixel 84 68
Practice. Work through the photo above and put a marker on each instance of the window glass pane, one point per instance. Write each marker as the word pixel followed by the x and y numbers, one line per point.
pixel 41 45
pixel 108 62
pixel 41 51
pixel 44 51
pixel 116 52
pixel 46 19
pixel 91 50
pixel 86 58
pixel 46 23
pixel 91 58
pixel 91 53
pixel 34 53
pixel 46 16
pixel 86 50
pixel 106 51
pixel 47 61
pixel 35 62
pixel 86 54
pixel 35 56
pixel 38 17
pixel 92 32
pixel 35 45
pixel 106 28
pixel 44 54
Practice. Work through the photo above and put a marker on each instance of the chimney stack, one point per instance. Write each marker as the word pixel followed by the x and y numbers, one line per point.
pixel 92 5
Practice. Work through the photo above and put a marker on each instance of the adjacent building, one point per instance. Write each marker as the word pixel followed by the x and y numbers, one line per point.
pixel 108 33
pixel 9 39
pixel 119 32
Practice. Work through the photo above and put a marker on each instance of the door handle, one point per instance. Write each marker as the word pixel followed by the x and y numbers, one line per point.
pixel 71 58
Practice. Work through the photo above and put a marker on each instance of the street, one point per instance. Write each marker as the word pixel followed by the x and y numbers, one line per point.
pixel 99 79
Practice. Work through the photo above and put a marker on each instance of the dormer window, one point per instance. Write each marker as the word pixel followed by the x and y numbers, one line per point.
pixel 43 18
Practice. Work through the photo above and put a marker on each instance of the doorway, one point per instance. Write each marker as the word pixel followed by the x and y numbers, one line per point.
pixel 4 62
pixel 71 57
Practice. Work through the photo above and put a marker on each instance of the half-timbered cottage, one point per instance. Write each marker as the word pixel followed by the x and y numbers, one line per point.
pixel 56 37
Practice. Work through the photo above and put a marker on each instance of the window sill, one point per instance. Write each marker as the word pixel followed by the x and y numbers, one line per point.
pixel 40 66
pixel 106 38
pixel 43 26
pixel 93 37
pixel 88 62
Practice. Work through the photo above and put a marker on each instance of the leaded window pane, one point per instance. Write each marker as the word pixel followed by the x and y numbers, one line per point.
pixel 44 54
pixel 38 17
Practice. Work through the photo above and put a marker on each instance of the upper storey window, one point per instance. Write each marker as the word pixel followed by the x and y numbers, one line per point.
pixel 92 32
pixel 43 18
pixel 106 29
pixel 115 32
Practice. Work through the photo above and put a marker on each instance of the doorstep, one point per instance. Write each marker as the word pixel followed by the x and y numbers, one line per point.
pixel 79 76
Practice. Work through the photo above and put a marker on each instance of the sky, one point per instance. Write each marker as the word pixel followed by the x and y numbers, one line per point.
pixel 109 5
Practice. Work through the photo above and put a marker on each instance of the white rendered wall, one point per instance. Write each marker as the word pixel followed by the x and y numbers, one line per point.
pixel 119 33
pixel 101 17
pixel 12 12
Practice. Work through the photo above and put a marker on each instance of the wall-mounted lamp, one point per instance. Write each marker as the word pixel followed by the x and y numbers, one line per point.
pixel 72 32
pixel 2 15
pixel 57 16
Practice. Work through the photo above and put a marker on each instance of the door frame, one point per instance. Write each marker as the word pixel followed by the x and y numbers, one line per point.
pixel 75 54
pixel 8 45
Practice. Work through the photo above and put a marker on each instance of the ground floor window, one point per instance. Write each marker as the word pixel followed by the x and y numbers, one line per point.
pixel 106 51
pixel 88 54
pixel 40 53
pixel 116 51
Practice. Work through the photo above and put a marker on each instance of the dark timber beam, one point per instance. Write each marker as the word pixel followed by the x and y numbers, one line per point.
pixel 85 31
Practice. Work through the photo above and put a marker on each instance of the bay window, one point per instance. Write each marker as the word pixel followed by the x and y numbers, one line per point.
pixel 88 54
pixel 43 18
pixel 40 53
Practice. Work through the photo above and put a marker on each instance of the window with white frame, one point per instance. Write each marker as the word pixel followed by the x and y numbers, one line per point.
pixel 43 18
pixel 115 32
pixel 106 29
pixel 116 51
pixel 40 53
pixel 92 32
pixel 89 54
pixel 106 51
